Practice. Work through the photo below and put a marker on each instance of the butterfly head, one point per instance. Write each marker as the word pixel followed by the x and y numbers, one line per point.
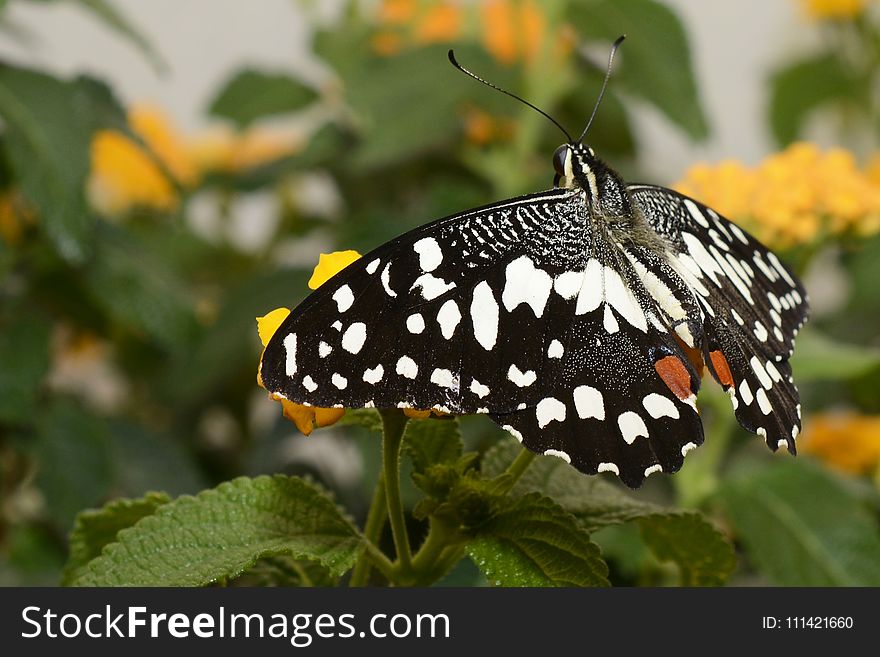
pixel 578 167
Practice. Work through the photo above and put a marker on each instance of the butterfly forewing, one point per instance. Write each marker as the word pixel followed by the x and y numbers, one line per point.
pixel 458 316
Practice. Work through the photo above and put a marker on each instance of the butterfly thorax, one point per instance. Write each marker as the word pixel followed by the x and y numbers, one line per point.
pixel 605 194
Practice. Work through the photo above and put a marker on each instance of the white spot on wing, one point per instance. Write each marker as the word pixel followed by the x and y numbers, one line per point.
pixel 761 373
pixel 386 281
pixel 695 213
pixel 548 410
pixel 407 367
pixel 608 467
pixel 687 447
pixel 521 379
pixel 415 323
pixel 430 254
pixel 588 402
pixel 567 285
pixel 431 286
pixel 761 332
pixel 555 349
pixel 745 392
pixel 309 384
pixel 558 454
pixel 592 289
pixel 343 298
pixel 354 337
pixel 654 468
pixel 513 432
pixel 524 283
pixel 609 321
pixel 624 302
pixel 763 402
pixel 339 381
pixel 659 406
pixel 324 349
pixel 290 359
pixel 444 378
pixel 448 317
pixel 374 375
pixel 631 426
pixel 479 389
pixel 484 315
pixel 373 266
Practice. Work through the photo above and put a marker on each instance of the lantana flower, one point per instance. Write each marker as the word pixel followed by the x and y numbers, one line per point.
pixel 847 441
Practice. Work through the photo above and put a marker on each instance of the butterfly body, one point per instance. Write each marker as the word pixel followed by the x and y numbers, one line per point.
pixel 578 318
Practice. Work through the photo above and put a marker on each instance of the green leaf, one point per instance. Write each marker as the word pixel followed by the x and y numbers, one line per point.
pixel 24 362
pixel 431 441
pixel 820 358
pixel 96 528
pixel 221 533
pixel 49 126
pixel 803 527
pixel 368 418
pixel 799 89
pixel 703 555
pixel 283 570
pixel 250 95
pixel 535 542
pixel 655 59
pixel 132 286
pixel 75 469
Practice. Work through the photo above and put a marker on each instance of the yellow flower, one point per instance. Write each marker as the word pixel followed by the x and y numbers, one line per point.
pixel 221 150
pixel 847 441
pixel 792 197
pixel 330 264
pixel 125 176
pixel 14 216
pixel 833 9
pixel 306 418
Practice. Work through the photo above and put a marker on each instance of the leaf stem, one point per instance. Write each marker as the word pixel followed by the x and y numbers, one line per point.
pixel 380 561
pixel 393 425
pixel 516 470
pixel 376 517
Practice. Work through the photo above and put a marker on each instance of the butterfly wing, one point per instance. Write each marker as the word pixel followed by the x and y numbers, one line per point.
pixel 528 310
pixel 752 307
pixel 454 315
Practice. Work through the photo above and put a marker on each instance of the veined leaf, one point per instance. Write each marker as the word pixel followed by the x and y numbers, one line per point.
pixel 96 528
pixel 431 441
pixel 703 555
pixel 802 527
pixel 535 542
pixel 220 533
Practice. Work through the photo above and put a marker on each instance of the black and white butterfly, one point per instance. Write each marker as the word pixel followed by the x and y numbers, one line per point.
pixel 579 319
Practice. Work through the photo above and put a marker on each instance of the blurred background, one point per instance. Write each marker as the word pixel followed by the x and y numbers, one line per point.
pixel 171 170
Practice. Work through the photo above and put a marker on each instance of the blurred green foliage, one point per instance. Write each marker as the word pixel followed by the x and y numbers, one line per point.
pixel 128 351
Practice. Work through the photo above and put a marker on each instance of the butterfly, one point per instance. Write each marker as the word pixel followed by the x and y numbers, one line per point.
pixel 580 319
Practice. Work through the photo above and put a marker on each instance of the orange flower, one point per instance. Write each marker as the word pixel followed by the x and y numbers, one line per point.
pixel 440 23
pixel 847 441
pixel 397 11
pixel 512 33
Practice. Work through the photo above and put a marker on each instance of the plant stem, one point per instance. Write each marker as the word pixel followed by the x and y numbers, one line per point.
pixel 372 532
pixel 516 470
pixel 393 425
pixel 378 558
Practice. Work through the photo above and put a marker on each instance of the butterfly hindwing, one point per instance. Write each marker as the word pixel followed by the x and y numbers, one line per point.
pixel 753 307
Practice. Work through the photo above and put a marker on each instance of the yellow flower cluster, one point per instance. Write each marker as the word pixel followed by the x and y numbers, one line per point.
pixel 833 9
pixel 14 216
pixel 510 30
pixel 127 175
pixel 792 197
pixel 847 441
pixel 306 418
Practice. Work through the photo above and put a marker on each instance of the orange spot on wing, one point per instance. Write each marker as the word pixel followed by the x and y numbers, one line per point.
pixel 722 369
pixel 675 376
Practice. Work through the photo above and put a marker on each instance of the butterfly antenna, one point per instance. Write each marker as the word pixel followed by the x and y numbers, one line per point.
pixel 504 91
pixel 614 48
